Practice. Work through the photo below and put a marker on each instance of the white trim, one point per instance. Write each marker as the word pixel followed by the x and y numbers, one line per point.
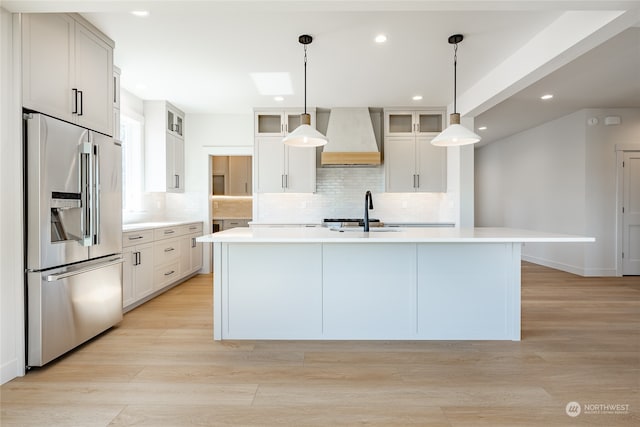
pixel 11 226
pixel 584 272
pixel 627 147
pixel 621 149
pixel 619 203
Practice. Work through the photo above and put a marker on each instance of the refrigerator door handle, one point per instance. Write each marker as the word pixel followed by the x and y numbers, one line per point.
pixel 96 194
pixel 86 191
pixel 59 276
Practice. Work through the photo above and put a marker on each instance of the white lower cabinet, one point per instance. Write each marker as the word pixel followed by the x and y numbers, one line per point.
pixel 278 295
pixel 137 273
pixel 156 259
pixel 370 303
pixel 190 250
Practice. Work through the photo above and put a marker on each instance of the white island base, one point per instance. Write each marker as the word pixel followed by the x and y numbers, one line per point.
pixel 410 285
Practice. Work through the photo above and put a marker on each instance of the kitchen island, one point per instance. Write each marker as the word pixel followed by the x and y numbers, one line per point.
pixel 390 283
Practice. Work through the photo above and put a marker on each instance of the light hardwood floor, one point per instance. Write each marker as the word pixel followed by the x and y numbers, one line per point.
pixel 160 367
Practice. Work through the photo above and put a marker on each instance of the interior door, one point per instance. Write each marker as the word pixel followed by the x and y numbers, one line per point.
pixel 631 214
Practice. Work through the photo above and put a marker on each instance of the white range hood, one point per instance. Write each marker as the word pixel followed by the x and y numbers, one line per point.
pixel 352 141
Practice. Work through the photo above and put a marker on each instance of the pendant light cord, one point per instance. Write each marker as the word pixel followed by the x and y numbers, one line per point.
pixel 305 79
pixel 455 63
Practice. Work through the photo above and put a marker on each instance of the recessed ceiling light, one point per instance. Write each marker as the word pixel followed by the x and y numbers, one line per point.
pixel 417 97
pixel 278 98
pixel 546 96
pixel 381 38
pixel 141 13
pixel 482 128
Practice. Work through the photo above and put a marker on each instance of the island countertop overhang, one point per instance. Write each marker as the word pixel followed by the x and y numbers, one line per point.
pixel 396 235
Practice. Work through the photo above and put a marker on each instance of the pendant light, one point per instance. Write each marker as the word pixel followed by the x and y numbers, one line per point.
pixel 304 135
pixel 455 134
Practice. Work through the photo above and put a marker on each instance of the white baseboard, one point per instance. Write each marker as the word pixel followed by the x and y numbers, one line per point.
pixel 585 272
pixel 9 371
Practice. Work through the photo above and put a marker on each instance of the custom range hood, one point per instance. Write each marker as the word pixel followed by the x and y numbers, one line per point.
pixel 352 141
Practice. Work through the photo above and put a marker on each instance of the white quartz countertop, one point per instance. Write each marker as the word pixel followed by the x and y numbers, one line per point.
pixel 387 235
pixel 151 225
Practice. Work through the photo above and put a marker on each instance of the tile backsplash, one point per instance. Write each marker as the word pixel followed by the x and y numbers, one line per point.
pixel 340 193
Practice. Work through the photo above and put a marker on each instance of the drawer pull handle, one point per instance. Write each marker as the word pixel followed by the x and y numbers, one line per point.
pixel 136 237
pixel 169 273
pixel 192 228
pixel 169 249
pixel 169 231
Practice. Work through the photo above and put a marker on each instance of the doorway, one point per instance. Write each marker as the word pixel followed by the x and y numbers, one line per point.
pixel 630 212
pixel 231 192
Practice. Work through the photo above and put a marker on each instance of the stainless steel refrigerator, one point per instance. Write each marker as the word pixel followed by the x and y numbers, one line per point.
pixel 73 243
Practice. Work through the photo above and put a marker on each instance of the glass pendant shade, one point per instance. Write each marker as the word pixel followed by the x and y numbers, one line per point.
pixel 455 135
pixel 305 135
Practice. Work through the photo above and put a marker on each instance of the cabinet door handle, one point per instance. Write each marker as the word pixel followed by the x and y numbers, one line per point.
pixel 81 104
pixel 418 179
pixel 139 258
pixel 282 181
pixel 177 181
pixel 193 242
pixel 75 101
pixel 169 249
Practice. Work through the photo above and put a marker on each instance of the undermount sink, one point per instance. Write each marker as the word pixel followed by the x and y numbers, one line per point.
pixel 361 229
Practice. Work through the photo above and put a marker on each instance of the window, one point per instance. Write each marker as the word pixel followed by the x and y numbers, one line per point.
pixel 132 163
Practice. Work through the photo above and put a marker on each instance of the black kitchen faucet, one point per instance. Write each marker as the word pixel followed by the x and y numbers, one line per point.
pixel 369 198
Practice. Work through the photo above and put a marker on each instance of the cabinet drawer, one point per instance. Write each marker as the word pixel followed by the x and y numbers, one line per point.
pixel 165 275
pixel 191 229
pixel 166 251
pixel 166 232
pixel 136 238
pixel 233 223
pixel 194 228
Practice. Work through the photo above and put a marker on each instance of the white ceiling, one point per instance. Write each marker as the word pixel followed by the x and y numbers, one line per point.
pixel 199 54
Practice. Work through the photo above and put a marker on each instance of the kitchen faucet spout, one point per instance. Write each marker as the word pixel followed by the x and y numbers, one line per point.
pixel 367 198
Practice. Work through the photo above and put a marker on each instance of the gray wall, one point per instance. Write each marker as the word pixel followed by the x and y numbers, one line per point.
pixel 558 177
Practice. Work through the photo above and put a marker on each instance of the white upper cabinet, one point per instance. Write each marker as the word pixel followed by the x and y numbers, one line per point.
pixel 404 122
pixel 279 168
pixel 279 123
pixel 411 162
pixel 164 149
pixel 175 121
pixel 284 169
pixel 67 67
